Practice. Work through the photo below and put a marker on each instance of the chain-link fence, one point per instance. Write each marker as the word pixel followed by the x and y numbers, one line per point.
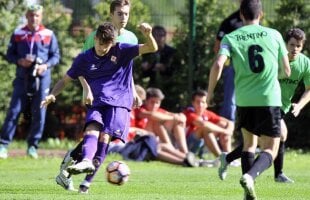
pixel 164 12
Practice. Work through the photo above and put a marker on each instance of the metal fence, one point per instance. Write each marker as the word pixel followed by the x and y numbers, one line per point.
pixel 163 12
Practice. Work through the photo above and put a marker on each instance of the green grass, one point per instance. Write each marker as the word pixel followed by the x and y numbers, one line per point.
pixel 24 178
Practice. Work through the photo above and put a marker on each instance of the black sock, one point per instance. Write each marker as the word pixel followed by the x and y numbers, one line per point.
pixel 76 153
pixel 247 160
pixel 261 163
pixel 278 162
pixel 235 154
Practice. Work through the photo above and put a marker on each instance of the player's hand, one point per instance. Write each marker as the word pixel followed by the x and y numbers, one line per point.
pixel 145 28
pixel 88 97
pixel 295 109
pixel 48 99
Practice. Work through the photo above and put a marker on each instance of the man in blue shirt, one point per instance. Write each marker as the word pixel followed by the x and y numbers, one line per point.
pixel 34 50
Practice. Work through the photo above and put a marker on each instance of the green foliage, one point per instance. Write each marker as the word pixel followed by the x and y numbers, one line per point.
pixel 60 23
pixel 293 13
pixel 24 178
pixel 209 15
pixel 166 9
pixel 7 26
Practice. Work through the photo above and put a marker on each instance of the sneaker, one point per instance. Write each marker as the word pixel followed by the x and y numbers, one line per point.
pixel 235 163
pixel 282 178
pixel 67 161
pixel 84 187
pixel 3 152
pixel 85 166
pixel 32 152
pixel 222 171
pixel 190 160
pixel 247 183
pixel 64 181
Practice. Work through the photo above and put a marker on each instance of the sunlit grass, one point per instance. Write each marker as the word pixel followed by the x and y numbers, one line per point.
pixel 24 178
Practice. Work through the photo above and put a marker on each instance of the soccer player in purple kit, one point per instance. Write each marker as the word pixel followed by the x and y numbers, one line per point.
pixel 119 16
pixel 107 69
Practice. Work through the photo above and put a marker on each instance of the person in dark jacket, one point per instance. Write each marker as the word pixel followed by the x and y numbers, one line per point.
pixel 34 50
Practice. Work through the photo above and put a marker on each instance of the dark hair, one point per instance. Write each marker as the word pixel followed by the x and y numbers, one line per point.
pixel 154 92
pixel 106 32
pixel 296 33
pixel 251 9
pixel 199 93
pixel 118 3
pixel 159 30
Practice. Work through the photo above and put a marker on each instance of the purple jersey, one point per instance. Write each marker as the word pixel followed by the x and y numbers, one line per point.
pixel 109 76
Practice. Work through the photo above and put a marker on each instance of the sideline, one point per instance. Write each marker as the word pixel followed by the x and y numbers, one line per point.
pixel 41 152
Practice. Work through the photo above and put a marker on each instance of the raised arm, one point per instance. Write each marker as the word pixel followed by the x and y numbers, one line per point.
pixel 150 45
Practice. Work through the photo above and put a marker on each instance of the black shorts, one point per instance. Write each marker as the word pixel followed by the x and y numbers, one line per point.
pixel 260 120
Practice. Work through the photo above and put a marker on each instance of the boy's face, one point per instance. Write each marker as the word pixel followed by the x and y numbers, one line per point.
pixel 120 16
pixel 102 48
pixel 152 103
pixel 200 103
pixel 294 47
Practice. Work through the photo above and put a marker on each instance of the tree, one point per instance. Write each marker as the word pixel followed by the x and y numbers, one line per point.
pixel 209 15
pixel 11 11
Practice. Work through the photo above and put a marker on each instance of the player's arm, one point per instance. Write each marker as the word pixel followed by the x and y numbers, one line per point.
pixel 285 69
pixel 87 93
pixel 137 101
pixel 215 74
pixel 150 45
pixel 305 98
pixel 216 47
pixel 56 90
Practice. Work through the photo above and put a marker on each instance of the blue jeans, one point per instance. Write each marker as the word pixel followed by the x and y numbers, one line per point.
pixel 194 144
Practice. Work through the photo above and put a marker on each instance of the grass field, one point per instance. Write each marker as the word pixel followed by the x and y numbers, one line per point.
pixel 24 178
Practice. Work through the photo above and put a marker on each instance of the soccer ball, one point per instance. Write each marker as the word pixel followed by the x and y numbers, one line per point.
pixel 117 172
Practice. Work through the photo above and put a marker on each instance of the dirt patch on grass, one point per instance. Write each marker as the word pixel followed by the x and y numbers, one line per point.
pixel 41 152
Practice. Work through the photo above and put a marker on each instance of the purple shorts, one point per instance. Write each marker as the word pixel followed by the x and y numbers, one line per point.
pixel 115 121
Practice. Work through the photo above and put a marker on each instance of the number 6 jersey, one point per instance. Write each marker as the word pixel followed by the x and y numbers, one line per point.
pixel 256 52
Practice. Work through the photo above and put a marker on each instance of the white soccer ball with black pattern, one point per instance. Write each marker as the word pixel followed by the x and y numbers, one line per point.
pixel 117 172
